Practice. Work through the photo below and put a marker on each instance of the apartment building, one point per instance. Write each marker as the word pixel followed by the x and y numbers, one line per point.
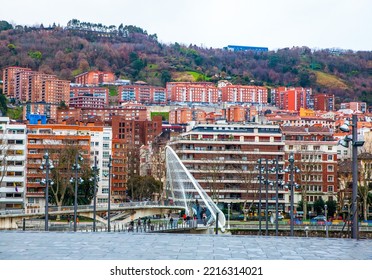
pixel 292 99
pixel 101 147
pixel 92 141
pixel 244 94
pixel 324 102
pixel 202 92
pixel 9 80
pixel 142 93
pixel 315 152
pixel 223 159
pixel 89 97
pixel 12 165
pixel 180 116
pixel 95 78
pixel 295 120
pixel 31 86
pixel 355 106
pixel 236 114
pixel 130 111
pixel 127 138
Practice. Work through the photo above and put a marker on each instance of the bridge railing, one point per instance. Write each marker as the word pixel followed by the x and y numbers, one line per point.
pixel 100 207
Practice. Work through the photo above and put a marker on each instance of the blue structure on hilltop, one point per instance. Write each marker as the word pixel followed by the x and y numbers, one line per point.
pixel 246 48
pixel 36 119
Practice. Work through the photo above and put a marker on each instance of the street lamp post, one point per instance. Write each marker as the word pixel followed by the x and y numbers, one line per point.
pixel 292 186
pixel 228 215
pixel 326 220
pixel 76 167
pixel 291 161
pixel 276 196
pixel 95 194
pixel 47 166
pixel 355 144
pixel 259 196
pixel 109 196
pixel 267 198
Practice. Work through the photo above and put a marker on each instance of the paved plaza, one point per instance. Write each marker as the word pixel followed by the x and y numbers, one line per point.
pixel 18 245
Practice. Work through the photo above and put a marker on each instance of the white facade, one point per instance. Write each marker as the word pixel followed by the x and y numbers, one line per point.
pixel 12 165
pixel 100 146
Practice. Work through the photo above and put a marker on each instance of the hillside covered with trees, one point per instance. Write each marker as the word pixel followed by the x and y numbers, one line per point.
pixel 131 53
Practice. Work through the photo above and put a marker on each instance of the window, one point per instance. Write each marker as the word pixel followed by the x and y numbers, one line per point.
pixel 330 188
pixel 329 148
pixel 345 152
pixel 316 148
pixel 290 147
pixel 330 178
pixel 330 168
pixel 330 157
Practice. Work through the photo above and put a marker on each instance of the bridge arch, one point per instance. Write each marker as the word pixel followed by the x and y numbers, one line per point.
pixel 181 187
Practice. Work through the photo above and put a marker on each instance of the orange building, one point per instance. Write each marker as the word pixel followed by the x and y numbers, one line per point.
pixel 9 83
pixel 95 78
pixel 244 94
pixel 292 99
pixel 203 92
pixel 51 137
pixel 180 116
pixel 236 113
pixel 128 111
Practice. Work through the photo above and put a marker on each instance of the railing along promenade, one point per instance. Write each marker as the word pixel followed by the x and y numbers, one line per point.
pixel 55 210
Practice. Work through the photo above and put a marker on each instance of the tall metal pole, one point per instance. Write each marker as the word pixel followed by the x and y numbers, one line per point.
pixel 259 198
pixel 46 156
pixel 276 196
pixel 267 198
pixel 75 191
pixel 109 197
pixel 292 192
pixel 95 194
pixel 326 220
pixel 354 209
pixel 228 216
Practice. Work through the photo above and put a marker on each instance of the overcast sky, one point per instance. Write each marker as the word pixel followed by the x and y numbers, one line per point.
pixel 345 24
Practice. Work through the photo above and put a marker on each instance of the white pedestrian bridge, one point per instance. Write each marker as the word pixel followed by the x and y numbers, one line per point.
pixel 182 192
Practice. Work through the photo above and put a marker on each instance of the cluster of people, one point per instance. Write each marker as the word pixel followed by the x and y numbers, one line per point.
pixel 146 224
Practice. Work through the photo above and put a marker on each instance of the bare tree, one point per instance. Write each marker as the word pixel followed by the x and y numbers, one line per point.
pixel 249 179
pixel 365 180
pixel 63 158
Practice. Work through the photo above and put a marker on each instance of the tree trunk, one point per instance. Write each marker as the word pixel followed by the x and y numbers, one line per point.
pixel 59 207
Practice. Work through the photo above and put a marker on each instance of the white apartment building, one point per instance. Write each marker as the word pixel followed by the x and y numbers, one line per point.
pixel 100 147
pixel 12 165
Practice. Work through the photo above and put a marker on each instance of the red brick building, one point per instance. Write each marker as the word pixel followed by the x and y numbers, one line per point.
pixel 236 113
pixel 127 138
pixel 292 99
pixel 95 78
pixel 324 102
pixel 9 80
pixel 203 92
pixel 244 94
pixel 129 112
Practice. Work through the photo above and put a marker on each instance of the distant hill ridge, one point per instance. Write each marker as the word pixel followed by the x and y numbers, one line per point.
pixel 131 53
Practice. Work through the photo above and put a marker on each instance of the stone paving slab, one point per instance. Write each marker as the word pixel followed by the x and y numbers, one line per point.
pixel 16 245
